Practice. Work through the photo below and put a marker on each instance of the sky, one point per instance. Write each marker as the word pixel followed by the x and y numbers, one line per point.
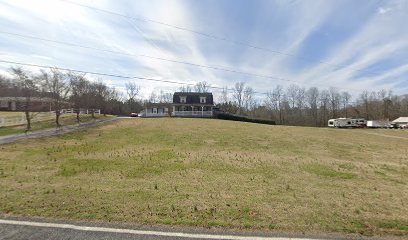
pixel 347 44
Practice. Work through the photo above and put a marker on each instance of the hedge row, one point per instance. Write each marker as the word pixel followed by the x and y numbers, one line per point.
pixel 231 117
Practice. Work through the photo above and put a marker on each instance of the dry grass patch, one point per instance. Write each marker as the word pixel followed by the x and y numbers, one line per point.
pixel 206 172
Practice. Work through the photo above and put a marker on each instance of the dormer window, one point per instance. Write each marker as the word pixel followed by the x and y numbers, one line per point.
pixel 203 99
pixel 183 99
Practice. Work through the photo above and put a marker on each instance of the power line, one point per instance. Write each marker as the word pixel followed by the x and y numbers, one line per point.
pixel 215 37
pixel 167 60
pixel 124 77
pixel 113 75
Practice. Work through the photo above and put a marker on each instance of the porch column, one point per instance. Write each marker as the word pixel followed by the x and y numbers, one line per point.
pixel 202 111
pixel 174 110
pixel 192 110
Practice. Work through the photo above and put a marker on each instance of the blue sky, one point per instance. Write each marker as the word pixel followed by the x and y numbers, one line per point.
pixel 348 44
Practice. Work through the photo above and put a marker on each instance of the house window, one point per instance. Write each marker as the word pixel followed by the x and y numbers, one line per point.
pixel 154 110
pixel 183 99
pixel 203 99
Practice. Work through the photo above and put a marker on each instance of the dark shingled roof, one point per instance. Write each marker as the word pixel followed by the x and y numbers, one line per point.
pixel 157 105
pixel 193 98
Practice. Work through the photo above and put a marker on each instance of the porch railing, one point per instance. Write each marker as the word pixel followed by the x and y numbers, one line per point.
pixel 192 113
pixel 155 114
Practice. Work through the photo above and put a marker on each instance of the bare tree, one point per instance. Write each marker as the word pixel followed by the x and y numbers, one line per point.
pixel 224 95
pixel 238 92
pixel 270 103
pixel 279 96
pixel 300 100
pixel 202 87
pixel 132 90
pixel 312 96
pixel 345 98
pixel 186 88
pixel 79 89
pixel 153 98
pixel 365 99
pixel 29 87
pixel 165 97
pixel 292 93
pixel 103 96
pixel 274 102
pixel 248 98
pixel 334 100
pixel 385 97
pixel 324 102
pixel 55 83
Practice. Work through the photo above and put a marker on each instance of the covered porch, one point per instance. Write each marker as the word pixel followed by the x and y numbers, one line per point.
pixel 192 111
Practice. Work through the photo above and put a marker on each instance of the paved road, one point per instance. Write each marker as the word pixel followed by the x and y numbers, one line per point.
pixel 18 229
pixel 52 132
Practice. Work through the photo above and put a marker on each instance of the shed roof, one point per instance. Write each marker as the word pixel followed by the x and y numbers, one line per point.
pixel 401 120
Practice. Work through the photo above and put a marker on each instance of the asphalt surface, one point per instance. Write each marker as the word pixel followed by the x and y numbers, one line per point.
pixel 15 232
pixel 16 228
pixel 20 229
pixel 53 131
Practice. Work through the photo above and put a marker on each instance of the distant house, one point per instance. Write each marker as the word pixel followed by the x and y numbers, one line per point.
pixel 192 104
pixel 18 104
pixel 156 110
pixel 401 121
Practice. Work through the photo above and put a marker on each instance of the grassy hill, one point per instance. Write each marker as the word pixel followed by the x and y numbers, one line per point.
pixel 206 172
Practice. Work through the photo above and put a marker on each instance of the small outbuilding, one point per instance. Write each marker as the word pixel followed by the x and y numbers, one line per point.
pixel 401 121
pixel 37 104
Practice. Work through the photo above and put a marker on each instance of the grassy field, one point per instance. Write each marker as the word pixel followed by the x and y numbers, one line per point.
pixel 11 114
pixel 205 172
pixel 66 119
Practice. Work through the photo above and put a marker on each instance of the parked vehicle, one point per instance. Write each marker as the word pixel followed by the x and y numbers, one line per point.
pixel 340 122
pixel 379 124
pixel 134 115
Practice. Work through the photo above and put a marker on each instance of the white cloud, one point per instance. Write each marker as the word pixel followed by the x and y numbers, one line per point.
pixel 382 10
pixel 279 25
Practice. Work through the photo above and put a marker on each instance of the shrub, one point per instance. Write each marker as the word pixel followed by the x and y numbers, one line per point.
pixel 227 116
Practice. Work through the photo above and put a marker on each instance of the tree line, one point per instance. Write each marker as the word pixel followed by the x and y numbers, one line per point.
pixel 295 105
pixel 291 105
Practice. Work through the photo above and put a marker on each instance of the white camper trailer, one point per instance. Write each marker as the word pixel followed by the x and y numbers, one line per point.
pixel 340 122
pixel 360 122
pixel 347 123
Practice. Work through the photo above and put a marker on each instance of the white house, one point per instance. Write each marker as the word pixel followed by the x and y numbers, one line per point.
pixel 192 104
pixel 156 110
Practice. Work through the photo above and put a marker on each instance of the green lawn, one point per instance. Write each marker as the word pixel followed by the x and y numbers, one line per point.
pixel 205 172
pixel 66 119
